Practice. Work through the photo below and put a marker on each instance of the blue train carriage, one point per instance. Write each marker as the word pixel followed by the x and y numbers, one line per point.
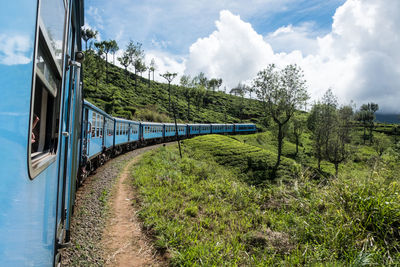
pixel 182 130
pixel 245 128
pixel 169 131
pixel 39 127
pixel 152 132
pixel 193 129
pixel 126 135
pixel 217 128
pixel 229 128
pixel 95 140
pixel 134 134
pixel 204 128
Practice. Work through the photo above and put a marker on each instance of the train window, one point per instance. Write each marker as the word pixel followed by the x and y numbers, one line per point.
pixel 101 125
pixel 97 125
pixel 46 86
pixel 93 124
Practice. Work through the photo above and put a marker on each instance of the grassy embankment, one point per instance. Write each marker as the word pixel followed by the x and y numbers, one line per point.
pixel 216 206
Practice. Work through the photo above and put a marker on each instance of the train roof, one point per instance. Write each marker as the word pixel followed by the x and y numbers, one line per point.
pixel 152 123
pixel 199 124
pixel 90 105
pixel 173 124
pixel 125 120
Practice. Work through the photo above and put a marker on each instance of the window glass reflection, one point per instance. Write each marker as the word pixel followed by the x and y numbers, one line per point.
pixel 52 15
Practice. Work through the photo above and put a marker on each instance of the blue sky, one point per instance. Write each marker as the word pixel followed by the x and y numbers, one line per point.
pixel 350 46
pixel 174 25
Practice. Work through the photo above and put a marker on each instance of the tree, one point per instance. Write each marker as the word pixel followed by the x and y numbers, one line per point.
pixel 250 90
pixel 136 57
pixel 88 34
pixel 107 47
pixel 186 83
pixel 99 62
pixel 298 125
pixel 381 143
pixel 201 79
pixel 214 84
pixel 169 77
pixel 141 67
pixel 114 48
pixel 125 61
pixel 337 147
pixel 282 92
pixel 199 93
pixel 240 90
pixel 153 67
pixel 315 124
pixel 366 115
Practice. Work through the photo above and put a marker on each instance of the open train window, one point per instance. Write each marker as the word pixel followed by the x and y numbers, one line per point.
pixel 46 86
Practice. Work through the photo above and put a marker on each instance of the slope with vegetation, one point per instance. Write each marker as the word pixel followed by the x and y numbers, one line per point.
pixel 205 210
pixel 131 96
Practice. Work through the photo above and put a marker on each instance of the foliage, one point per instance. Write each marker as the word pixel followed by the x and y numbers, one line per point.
pixel 381 143
pixel 217 107
pixel 282 92
pixel 258 164
pixel 366 115
pixel 203 213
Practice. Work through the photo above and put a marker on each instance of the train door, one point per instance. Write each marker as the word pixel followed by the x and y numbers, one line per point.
pixel 69 134
pixel 86 128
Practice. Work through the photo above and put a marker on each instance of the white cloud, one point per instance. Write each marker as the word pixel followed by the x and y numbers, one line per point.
pixel 359 58
pixel 289 38
pixel 15 49
pixel 166 62
pixel 234 52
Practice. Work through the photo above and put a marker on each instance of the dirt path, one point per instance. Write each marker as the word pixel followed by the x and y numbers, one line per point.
pixel 123 241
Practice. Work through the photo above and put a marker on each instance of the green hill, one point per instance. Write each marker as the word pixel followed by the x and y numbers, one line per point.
pixel 148 100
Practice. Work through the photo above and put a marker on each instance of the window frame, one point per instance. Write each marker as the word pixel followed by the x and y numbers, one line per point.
pixel 41 161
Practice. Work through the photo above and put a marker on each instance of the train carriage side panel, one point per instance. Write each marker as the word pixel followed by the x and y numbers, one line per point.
pixel 152 130
pixel 33 120
pixel 95 134
pixel 134 131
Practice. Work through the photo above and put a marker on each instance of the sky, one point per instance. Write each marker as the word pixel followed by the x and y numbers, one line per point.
pixel 350 46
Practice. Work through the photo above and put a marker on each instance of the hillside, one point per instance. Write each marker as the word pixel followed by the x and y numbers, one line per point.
pixel 205 208
pixel 388 118
pixel 149 100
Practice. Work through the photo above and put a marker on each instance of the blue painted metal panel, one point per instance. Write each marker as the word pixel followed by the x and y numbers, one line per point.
pixel 228 128
pixel 194 129
pixel 109 132
pixel 169 129
pixel 134 131
pixel 95 138
pixel 218 128
pixel 205 128
pixel 152 130
pixel 245 127
pixel 121 131
pixel 182 128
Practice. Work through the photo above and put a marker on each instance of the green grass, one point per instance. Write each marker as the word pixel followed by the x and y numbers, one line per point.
pixel 203 213
pixel 255 162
